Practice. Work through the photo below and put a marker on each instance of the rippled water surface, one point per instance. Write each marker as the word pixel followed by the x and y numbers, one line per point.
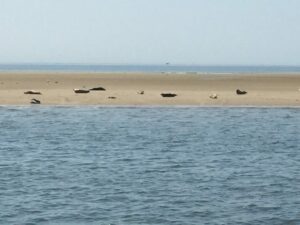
pixel 102 165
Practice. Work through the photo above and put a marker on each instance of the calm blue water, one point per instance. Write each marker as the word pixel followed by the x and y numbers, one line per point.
pixel 119 166
pixel 149 68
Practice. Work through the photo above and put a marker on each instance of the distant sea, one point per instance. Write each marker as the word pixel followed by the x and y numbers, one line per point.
pixel 150 166
pixel 167 68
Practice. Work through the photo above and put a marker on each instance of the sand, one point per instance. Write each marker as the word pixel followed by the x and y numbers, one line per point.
pixel 191 89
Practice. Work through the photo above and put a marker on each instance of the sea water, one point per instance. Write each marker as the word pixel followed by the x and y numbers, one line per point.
pixel 162 68
pixel 160 165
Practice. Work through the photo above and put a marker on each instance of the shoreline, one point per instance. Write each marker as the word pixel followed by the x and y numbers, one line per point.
pixel 149 73
pixel 155 106
pixel 192 90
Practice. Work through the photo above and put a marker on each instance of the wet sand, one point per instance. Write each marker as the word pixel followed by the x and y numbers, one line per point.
pixel 123 88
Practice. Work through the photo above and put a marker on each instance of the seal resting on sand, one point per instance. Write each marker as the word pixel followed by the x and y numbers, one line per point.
pixel 239 92
pixel 214 96
pixel 141 92
pixel 81 91
pixel 111 97
pixel 98 89
pixel 35 101
pixel 168 95
pixel 32 92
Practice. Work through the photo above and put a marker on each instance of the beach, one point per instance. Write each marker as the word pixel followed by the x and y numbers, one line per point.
pixel 138 89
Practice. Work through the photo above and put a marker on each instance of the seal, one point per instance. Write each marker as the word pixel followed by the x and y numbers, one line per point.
pixel 239 92
pixel 81 91
pixel 168 95
pixel 35 101
pixel 32 92
pixel 98 89
pixel 213 96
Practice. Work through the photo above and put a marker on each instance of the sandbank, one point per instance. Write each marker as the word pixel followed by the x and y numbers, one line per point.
pixel 124 89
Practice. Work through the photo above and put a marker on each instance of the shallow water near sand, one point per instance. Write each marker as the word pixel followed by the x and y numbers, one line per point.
pixel 161 165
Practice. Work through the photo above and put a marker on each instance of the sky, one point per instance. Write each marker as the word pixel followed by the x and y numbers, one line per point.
pixel 201 32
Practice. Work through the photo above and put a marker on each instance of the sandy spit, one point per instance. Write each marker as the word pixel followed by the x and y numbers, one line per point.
pixel 141 89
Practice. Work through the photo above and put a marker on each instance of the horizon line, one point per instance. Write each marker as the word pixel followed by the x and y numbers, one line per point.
pixel 146 64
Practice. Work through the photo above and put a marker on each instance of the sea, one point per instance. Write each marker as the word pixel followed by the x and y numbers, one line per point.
pixel 179 165
pixel 158 68
pixel 149 165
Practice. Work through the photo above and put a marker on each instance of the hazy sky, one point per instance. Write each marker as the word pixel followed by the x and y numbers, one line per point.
pixel 150 31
